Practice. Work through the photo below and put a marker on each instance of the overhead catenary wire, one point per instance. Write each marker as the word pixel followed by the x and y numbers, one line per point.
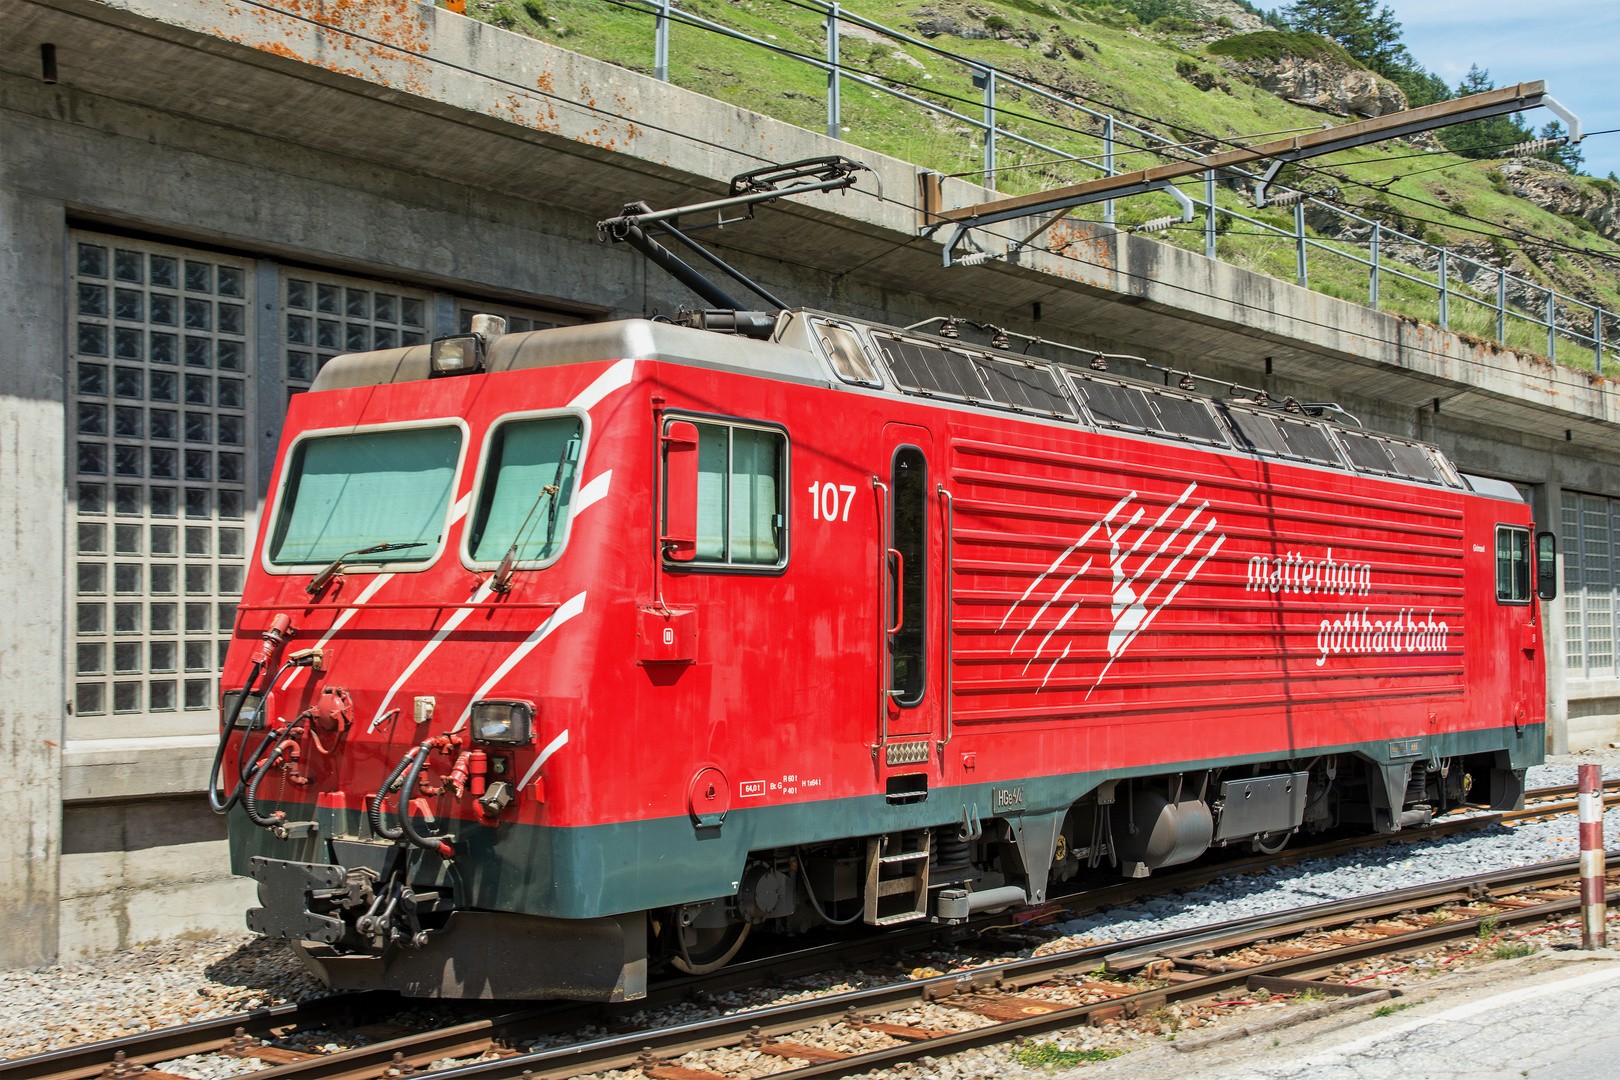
pixel 1163 151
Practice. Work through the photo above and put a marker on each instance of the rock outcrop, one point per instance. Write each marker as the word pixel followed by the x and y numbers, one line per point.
pixel 1551 187
pixel 1328 85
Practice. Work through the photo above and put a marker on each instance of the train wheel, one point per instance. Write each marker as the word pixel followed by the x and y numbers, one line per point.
pixel 1271 843
pixel 709 949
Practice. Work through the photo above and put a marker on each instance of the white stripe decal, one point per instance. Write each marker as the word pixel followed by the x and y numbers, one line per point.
pixel 610 380
pixel 561 615
pixel 1070 550
pixel 1042 647
pixel 1055 663
pixel 459 511
pixel 365 594
pixel 1148 619
pixel 445 631
pixel 551 748
pixel 1042 610
pixel 591 492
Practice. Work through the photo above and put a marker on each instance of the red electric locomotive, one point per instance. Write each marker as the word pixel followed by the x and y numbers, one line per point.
pixel 573 652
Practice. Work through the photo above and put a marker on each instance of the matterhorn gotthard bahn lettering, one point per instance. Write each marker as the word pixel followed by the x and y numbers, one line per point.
pixel 1297 573
pixel 1150 565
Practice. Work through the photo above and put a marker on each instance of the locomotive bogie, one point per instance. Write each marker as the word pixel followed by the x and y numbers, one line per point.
pixel 722 637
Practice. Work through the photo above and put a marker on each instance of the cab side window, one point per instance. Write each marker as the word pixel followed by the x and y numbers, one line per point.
pixel 741 487
pixel 1513 584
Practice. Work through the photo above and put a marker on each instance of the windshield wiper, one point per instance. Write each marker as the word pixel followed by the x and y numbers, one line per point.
pixel 335 567
pixel 501 580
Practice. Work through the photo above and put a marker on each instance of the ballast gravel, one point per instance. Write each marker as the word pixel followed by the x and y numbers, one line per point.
pixel 51 1008
pixel 64 1005
pixel 1397 865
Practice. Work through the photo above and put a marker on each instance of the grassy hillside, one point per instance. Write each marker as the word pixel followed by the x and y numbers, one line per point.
pixel 1182 80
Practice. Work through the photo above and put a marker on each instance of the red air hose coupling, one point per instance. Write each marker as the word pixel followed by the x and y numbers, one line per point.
pixel 279 630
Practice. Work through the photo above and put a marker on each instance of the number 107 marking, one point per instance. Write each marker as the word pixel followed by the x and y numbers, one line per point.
pixel 824 501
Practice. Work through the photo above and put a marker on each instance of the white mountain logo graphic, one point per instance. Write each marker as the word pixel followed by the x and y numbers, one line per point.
pixel 1149 566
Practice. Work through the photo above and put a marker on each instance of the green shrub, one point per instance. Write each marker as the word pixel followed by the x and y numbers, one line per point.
pixel 1175 24
pixel 537 11
pixel 1278 45
pixel 996 22
pixel 1050 1054
pixel 1224 23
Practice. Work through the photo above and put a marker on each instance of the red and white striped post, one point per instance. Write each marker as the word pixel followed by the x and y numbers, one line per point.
pixel 1594 912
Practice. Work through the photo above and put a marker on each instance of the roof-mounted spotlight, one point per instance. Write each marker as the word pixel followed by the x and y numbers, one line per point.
pixel 464 353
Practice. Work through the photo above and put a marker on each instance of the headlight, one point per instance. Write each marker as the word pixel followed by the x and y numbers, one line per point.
pixel 457 355
pixel 250 717
pixel 508 722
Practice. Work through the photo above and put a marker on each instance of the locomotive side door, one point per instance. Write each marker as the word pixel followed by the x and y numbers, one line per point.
pixel 909 600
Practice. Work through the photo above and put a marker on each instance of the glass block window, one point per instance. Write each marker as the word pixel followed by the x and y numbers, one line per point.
pixel 1589 526
pixel 324 316
pixel 518 320
pixel 160 386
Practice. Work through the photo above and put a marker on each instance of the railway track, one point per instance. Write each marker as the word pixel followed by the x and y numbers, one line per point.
pixel 992 990
pixel 1022 998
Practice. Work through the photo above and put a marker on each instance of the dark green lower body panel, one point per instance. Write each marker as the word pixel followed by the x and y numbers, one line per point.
pixel 598 871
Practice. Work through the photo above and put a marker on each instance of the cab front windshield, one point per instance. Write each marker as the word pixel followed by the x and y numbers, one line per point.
pixel 345 493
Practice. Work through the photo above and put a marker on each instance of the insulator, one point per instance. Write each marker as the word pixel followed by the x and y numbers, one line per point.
pixel 1287 198
pixel 1000 340
pixel 1098 363
pixel 948 329
pixel 1262 398
pixel 1187 383
pixel 975 258
pixel 1156 225
pixel 1535 146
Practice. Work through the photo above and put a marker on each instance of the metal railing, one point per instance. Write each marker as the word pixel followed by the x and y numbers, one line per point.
pixel 1557 317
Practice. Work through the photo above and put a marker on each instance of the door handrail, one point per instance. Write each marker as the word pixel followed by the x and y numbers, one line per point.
pixel 881 490
pixel 945 611
pixel 899 589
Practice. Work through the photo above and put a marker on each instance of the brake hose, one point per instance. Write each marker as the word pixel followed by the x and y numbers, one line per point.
pixel 375 810
pixel 214 803
pixel 258 771
pixel 417 760
pixel 250 794
pixel 279 630
pixel 244 760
